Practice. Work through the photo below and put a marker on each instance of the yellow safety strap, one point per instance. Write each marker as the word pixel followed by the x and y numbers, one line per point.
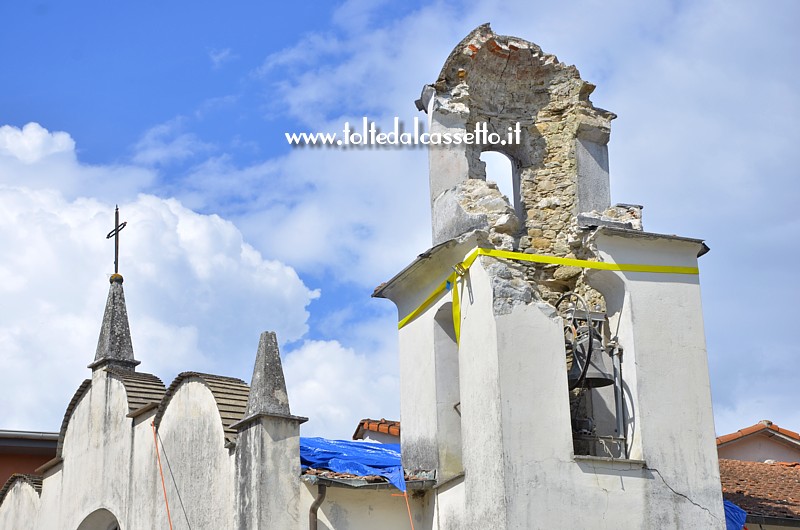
pixel 451 283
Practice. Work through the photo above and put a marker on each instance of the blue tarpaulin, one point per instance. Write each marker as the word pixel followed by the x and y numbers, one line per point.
pixel 356 458
pixel 735 517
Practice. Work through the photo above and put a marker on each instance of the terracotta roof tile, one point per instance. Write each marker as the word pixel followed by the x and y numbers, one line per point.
pixel 34 480
pixel 142 389
pixel 769 490
pixel 230 394
pixel 764 425
pixel 73 403
pixel 382 425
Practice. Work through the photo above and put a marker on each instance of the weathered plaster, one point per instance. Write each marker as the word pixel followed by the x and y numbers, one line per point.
pixel 20 507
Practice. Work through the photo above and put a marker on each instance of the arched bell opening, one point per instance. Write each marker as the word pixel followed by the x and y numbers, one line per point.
pixel 502 170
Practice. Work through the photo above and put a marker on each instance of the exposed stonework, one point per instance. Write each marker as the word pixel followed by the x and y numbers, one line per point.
pixel 268 387
pixel 509 285
pixel 503 81
pixel 114 346
pixel 560 166
pixel 478 205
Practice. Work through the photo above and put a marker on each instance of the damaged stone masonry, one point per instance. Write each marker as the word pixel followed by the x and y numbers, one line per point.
pixel 560 167
pixel 560 170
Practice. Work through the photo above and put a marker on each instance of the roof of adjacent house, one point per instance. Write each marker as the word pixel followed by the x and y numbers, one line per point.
pixel 762 489
pixel 382 425
pixel 762 427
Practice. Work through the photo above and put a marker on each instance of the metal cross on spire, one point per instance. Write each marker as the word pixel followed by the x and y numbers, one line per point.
pixel 115 234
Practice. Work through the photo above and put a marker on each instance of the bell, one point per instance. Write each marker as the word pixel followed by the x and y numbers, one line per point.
pixel 597 373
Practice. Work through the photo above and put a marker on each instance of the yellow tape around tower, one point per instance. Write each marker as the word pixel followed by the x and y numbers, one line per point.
pixel 459 270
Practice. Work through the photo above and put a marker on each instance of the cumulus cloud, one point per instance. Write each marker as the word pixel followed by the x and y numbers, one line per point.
pixel 198 295
pixel 33 143
pixel 336 386
pixel 355 215
pixel 40 159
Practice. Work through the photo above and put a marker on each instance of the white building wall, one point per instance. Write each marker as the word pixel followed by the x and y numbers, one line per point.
pixel 418 394
pixel 146 498
pixel 520 470
pixel 192 434
pixel 380 438
pixel 361 509
pixel 20 508
pixel 96 459
pixel 448 505
pixel 109 462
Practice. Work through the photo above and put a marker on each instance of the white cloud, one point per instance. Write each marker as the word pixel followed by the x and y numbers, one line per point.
pixel 336 387
pixel 356 16
pixel 39 159
pixel 165 143
pixel 197 295
pixel 220 57
pixel 358 214
pixel 33 143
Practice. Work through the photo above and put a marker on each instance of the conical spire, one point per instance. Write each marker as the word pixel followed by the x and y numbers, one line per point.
pixel 268 387
pixel 114 346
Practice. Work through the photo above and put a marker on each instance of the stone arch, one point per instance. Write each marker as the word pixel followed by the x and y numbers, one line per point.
pixel 34 481
pixel 100 519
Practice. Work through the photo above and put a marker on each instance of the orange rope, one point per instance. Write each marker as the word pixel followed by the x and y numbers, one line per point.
pixel 161 472
pixel 408 506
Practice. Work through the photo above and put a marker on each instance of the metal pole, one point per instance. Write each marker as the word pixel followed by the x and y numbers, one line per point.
pixel 619 397
pixel 116 240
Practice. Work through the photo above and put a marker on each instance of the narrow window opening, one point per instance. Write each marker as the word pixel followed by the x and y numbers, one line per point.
pixel 500 170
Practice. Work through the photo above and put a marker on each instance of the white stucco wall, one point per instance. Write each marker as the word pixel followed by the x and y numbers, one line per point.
pixel 96 459
pixel 448 505
pixel 268 475
pixel 191 431
pixel 20 508
pixel 109 462
pixel 520 471
pixel 361 509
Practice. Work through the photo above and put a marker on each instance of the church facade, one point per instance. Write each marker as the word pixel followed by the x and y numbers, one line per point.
pixel 552 360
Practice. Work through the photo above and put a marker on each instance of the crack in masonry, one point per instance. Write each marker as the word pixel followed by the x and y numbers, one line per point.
pixel 597 481
pixel 502 75
pixel 679 494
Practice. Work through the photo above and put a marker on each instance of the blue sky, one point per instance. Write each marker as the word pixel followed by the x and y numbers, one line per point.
pixel 177 111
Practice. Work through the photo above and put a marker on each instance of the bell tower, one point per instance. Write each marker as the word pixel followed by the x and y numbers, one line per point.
pixel 552 353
